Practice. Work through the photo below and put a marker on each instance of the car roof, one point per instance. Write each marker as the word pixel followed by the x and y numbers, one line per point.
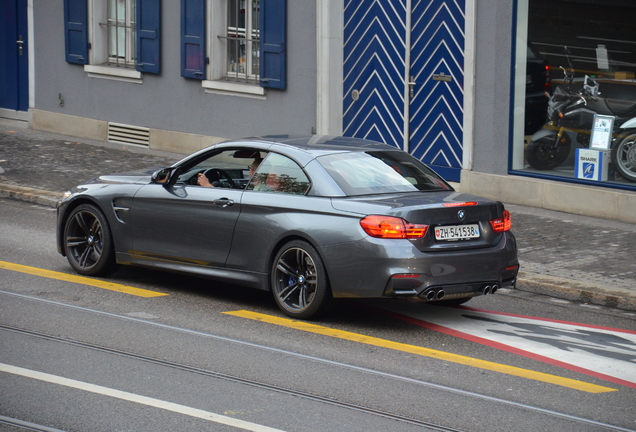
pixel 302 148
pixel 321 143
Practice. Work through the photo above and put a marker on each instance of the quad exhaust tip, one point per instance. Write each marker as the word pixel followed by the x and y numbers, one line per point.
pixel 434 294
pixel 490 289
pixel 438 293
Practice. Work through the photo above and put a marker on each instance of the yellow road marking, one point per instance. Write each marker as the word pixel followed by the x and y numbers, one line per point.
pixel 427 352
pixel 80 280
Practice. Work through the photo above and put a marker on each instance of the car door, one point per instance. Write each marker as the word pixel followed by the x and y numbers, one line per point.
pixel 184 223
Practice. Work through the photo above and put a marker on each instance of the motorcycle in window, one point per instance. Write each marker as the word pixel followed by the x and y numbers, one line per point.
pixel 571 116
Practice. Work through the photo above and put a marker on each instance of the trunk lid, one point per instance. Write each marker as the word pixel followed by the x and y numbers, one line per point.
pixel 445 212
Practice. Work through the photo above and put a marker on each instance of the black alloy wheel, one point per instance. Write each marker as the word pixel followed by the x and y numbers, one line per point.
pixel 624 157
pixel 299 281
pixel 87 241
pixel 544 155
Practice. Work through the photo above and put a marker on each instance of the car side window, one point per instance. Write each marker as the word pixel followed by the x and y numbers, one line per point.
pixel 279 174
pixel 229 168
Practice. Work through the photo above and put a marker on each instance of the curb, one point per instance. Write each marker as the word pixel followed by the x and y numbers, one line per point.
pixel 32 195
pixel 602 295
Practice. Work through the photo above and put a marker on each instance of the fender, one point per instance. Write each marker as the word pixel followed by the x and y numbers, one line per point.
pixel 629 124
pixel 544 132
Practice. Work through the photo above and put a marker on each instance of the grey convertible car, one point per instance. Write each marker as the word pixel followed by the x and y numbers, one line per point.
pixel 320 218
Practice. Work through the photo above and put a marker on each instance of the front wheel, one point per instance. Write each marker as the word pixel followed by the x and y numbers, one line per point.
pixel 299 281
pixel 624 157
pixel 543 154
pixel 88 243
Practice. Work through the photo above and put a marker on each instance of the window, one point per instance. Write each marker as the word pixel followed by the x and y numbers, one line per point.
pixel 234 45
pixel 242 40
pixel 279 174
pixel 580 53
pixel 359 173
pixel 225 169
pixel 114 37
pixel 120 26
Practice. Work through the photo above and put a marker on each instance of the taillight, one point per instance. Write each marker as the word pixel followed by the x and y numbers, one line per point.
pixel 390 227
pixel 460 204
pixel 502 224
pixel 548 78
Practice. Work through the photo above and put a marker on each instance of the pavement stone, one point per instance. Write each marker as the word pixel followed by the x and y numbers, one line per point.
pixel 562 255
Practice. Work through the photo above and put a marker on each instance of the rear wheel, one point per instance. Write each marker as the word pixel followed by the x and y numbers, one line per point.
pixel 299 281
pixel 87 241
pixel 542 154
pixel 624 157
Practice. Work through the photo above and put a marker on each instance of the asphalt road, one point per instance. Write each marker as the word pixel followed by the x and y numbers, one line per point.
pixel 78 354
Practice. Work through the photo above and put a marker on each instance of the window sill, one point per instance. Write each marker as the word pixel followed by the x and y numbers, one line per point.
pixel 236 89
pixel 114 73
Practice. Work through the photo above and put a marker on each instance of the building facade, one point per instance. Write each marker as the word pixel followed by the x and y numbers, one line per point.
pixel 462 85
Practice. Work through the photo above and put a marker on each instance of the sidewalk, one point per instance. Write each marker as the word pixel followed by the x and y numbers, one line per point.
pixel 562 255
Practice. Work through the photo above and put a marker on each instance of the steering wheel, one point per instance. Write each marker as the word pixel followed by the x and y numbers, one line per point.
pixel 215 174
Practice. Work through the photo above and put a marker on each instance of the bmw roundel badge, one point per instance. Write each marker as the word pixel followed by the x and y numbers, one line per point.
pixel 461 215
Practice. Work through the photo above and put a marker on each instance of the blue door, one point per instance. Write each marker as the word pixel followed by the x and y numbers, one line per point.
pixel 14 65
pixel 374 70
pixel 404 76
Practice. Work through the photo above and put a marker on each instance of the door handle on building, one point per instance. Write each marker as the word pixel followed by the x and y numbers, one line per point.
pixel 411 85
pixel 20 43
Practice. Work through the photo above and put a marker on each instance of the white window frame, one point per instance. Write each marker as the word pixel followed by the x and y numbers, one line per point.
pixel 130 38
pixel 98 56
pixel 216 81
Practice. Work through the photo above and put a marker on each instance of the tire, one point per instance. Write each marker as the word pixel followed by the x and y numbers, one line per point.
pixel 623 157
pixel 542 155
pixel 299 281
pixel 88 243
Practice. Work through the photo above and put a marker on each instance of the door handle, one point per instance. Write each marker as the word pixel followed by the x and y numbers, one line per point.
pixel 224 202
pixel 411 85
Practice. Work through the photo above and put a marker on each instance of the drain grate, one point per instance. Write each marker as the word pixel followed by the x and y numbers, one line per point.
pixel 127 134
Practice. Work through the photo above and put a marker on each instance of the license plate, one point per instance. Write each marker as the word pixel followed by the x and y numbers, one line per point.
pixel 456 232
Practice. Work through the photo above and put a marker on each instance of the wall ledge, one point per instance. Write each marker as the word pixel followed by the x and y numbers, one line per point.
pixel 600 202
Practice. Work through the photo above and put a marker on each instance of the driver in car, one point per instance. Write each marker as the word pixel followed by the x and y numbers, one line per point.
pixel 202 180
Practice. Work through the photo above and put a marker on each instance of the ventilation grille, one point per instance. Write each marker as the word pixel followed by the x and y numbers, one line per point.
pixel 127 134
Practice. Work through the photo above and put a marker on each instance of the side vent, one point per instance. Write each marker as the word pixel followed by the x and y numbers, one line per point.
pixel 127 134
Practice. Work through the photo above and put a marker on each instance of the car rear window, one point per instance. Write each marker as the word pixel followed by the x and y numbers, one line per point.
pixel 374 172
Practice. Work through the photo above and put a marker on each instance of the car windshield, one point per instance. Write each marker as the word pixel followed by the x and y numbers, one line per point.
pixel 374 172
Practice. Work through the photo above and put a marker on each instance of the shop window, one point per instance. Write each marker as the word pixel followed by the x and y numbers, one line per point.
pixel 575 91
pixel 113 35
pixel 234 45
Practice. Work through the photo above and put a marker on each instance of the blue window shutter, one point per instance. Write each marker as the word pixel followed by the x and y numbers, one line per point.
pixel 149 36
pixel 193 39
pixel 273 29
pixel 76 31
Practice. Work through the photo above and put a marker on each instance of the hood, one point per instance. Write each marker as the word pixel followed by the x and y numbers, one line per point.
pixel 141 176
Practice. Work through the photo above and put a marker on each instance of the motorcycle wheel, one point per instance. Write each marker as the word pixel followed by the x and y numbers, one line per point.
pixel 624 157
pixel 542 154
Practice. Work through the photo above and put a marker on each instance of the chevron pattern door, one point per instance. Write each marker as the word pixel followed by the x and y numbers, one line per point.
pixel 378 101
pixel 437 106
pixel 374 70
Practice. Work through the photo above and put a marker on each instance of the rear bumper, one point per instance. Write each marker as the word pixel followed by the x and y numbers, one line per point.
pixel 373 268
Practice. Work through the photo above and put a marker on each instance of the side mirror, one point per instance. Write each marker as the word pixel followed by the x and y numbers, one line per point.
pixel 165 176
pixel 162 176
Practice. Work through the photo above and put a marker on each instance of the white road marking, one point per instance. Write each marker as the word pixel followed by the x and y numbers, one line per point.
pixel 603 352
pixel 131 397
